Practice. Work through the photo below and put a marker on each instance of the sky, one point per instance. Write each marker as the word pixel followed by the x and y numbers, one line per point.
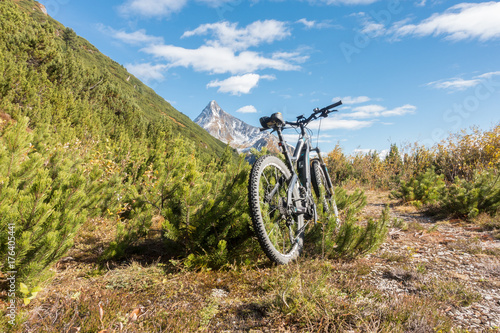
pixel 406 71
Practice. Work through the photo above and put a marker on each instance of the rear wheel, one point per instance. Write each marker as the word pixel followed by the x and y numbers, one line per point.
pixel 277 226
pixel 325 196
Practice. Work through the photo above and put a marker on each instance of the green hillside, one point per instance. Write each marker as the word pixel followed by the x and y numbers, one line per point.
pixel 83 140
pixel 73 81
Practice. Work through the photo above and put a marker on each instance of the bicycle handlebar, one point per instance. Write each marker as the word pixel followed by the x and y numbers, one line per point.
pixel 323 113
pixel 327 108
pixel 271 122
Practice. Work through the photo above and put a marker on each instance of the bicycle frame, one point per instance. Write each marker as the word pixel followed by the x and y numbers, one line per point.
pixel 300 166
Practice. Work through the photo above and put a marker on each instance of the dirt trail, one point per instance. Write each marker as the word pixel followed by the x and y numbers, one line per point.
pixel 420 251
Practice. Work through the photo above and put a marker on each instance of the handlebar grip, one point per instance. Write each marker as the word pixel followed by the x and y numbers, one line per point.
pixel 334 105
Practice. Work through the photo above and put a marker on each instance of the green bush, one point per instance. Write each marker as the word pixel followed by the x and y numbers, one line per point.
pixel 423 189
pixel 203 206
pixel 45 196
pixel 352 238
pixel 469 198
pixel 353 202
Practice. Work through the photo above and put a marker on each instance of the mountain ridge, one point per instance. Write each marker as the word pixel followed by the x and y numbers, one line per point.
pixel 234 131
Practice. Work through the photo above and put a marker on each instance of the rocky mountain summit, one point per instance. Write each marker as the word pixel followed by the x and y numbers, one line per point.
pixel 234 131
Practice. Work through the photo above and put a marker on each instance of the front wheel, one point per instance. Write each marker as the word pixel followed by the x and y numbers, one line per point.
pixel 278 227
pixel 325 195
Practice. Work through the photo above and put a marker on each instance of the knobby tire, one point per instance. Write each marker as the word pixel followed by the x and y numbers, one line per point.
pixel 279 232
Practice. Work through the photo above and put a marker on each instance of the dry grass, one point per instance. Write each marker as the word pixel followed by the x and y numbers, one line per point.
pixel 147 292
pixel 490 223
pixel 310 295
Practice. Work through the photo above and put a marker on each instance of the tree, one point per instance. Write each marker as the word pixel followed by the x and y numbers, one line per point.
pixel 69 37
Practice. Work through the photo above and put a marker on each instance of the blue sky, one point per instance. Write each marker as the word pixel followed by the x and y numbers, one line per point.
pixel 407 71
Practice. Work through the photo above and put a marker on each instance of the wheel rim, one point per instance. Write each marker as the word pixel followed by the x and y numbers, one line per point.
pixel 280 226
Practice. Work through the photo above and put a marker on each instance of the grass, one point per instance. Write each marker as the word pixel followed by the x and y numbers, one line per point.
pixel 309 295
pixel 451 292
pixel 149 292
pixel 489 223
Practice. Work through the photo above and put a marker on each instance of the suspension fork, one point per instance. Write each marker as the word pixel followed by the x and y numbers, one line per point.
pixel 325 170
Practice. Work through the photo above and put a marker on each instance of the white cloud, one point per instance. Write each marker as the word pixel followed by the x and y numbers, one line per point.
pixel 296 57
pixel 146 72
pixel 375 111
pixel 488 75
pixel 217 3
pixel 346 2
pixel 291 138
pixel 348 100
pixel 454 84
pixel 363 151
pixel 420 3
pixel 462 21
pixel 152 8
pixel 247 109
pixel 399 111
pixel 229 35
pixel 459 84
pixel 306 23
pixel 134 38
pixel 372 29
pixel 217 60
pixel 325 24
pixel 337 123
pixel 241 84
pixel 367 111
pixel 227 51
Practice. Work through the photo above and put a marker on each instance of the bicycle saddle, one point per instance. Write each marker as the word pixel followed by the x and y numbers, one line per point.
pixel 276 119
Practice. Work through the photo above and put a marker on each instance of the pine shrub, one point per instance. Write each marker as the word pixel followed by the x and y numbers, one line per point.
pixel 46 194
pixel 468 199
pixel 423 189
pixel 354 239
pixel 203 206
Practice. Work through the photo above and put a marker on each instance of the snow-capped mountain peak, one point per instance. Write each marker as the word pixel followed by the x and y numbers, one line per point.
pixel 232 130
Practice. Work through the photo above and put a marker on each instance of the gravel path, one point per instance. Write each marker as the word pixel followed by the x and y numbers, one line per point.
pixel 457 257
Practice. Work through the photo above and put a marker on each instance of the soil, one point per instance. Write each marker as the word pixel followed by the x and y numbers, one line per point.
pixel 424 249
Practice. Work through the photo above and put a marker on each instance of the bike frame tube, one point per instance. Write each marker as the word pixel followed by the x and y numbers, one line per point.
pixel 292 162
pixel 282 144
pixel 304 170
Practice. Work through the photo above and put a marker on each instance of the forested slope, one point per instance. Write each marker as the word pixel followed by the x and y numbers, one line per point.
pixel 55 77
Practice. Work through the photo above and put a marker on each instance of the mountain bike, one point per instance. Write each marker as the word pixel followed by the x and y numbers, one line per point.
pixel 280 193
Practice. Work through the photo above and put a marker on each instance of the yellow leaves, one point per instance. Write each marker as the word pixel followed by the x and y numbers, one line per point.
pixel 28 294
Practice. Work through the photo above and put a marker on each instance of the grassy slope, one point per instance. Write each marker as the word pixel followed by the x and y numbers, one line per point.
pixel 151 104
